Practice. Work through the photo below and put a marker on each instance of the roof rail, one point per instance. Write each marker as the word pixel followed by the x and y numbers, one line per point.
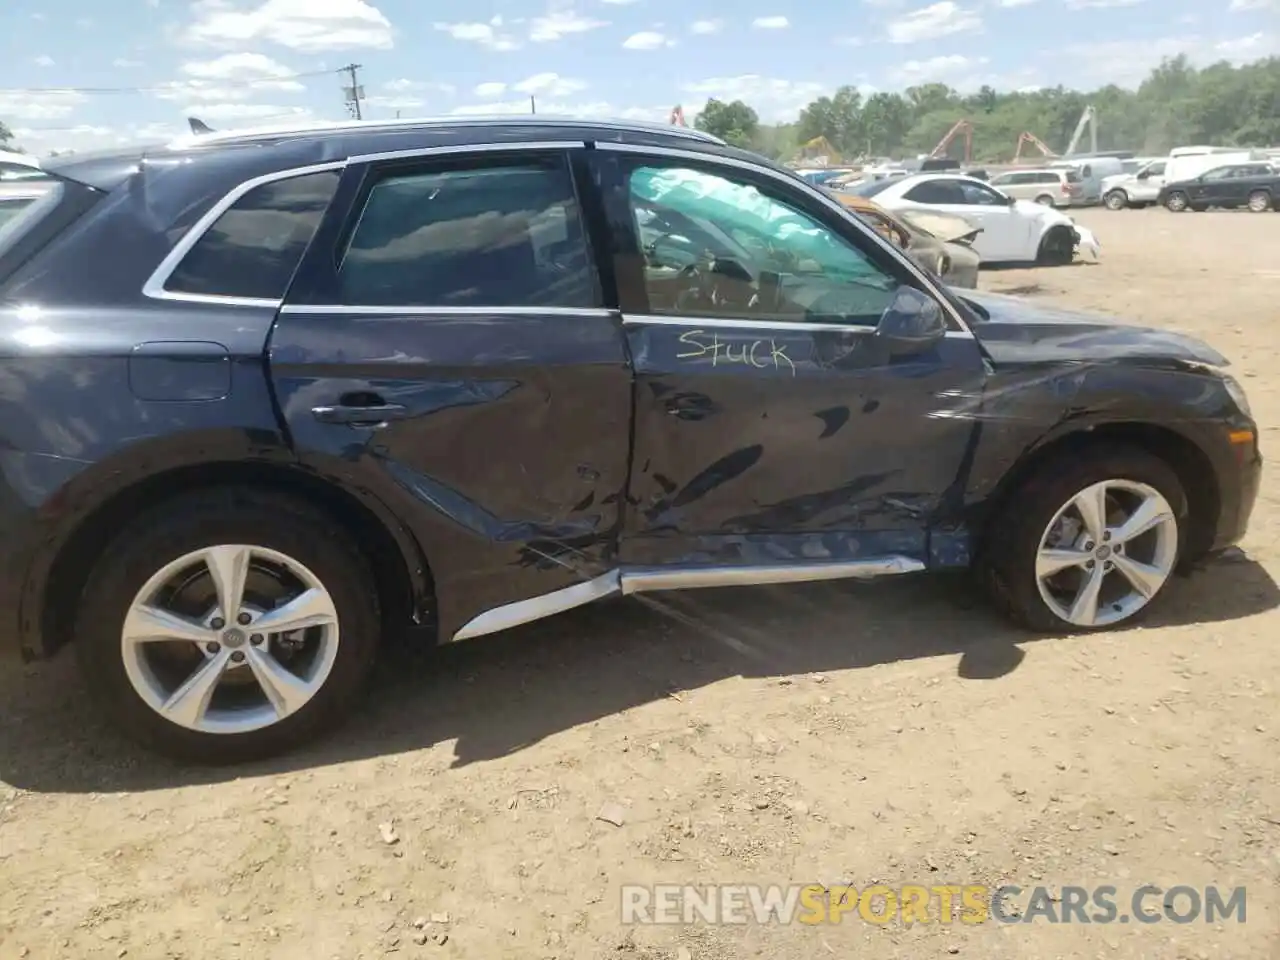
pixel 410 123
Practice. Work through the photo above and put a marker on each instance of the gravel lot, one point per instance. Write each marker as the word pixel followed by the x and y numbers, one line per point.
pixel 896 732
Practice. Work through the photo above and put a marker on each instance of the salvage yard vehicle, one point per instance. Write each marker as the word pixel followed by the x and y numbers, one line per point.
pixel 329 383
pixel 1137 190
pixel 1013 231
pixel 942 245
pixel 1052 188
pixel 1252 185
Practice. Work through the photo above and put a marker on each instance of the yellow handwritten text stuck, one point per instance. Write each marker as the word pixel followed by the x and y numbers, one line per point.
pixel 760 354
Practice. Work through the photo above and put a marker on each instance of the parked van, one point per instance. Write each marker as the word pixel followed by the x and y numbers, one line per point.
pixel 1187 163
pixel 1092 170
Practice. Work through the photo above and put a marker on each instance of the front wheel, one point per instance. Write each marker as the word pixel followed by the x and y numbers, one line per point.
pixel 1116 200
pixel 1176 202
pixel 1088 543
pixel 228 626
pixel 1259 201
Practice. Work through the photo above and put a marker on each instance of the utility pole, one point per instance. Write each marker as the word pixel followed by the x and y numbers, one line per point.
pixel 533 104
pixel 355 92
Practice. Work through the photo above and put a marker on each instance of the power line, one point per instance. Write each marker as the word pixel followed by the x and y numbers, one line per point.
pixel 174 86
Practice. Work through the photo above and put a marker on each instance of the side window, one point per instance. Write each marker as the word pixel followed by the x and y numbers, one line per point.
pixel 253 249
pixel 502 234
pixel 1155 170
pixel 977 194
pixel 1050 177
pixel 754 255
pixel 1007 179
pixel 935 191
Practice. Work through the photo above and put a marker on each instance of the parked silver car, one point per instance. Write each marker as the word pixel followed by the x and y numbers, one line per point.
pixel 1052 188
pixel 1136 190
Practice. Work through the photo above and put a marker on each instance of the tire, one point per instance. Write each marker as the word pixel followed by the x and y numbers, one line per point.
pixel 1044 200
pixel 1056 248
pixel 1116 200
pixel 1009 555
pixel 1259 201
pixel 1176 202
pixel 341 654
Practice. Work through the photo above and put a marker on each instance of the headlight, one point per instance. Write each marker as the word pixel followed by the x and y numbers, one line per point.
pixel 1236 393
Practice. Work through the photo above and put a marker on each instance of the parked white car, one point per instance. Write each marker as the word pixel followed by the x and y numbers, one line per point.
pixel 1013 231
pixel 1137 190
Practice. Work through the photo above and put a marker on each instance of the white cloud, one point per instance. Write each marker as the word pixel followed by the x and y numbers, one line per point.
pixel 549 85
pixel 705 27
pixel 559 22
pixel 771 98
pixel 123 63
pixel 405 85
pixel 1101 4
pixel 491 90
pixel 618 3
pixel 258 112
pixel 46 105
pixel 646 40
pixel 936 20
pixel 850 41
pixel 771 23
pixel 40 141
pixel 231 77
pixel 934 69
pixel 44 60
pixel 1243 5
pixel 1016 3
pixel 1125 64
pixel 490 34
pixel 307 25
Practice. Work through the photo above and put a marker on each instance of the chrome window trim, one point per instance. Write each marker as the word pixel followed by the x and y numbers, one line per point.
pixel 154 287
pixel 603 313
pixel 453 150
pixel 744 323
pixel 712 159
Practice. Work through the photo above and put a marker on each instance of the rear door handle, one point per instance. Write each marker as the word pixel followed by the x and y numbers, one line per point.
pixel 361 414
pixel 690 406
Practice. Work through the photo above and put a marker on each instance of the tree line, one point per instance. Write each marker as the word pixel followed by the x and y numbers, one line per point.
pixel 1177 104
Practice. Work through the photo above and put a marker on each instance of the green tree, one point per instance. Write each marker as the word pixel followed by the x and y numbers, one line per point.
pixel 734 122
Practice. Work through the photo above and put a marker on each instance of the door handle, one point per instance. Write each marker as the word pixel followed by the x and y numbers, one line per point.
pixel 690 406
pixel 367 415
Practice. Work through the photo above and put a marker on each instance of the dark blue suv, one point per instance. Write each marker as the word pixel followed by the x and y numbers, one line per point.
pixel 268 397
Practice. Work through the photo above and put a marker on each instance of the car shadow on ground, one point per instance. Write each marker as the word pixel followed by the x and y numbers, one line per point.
pixel 495 696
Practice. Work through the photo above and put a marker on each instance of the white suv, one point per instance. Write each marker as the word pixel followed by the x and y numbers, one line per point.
pixel 1138 189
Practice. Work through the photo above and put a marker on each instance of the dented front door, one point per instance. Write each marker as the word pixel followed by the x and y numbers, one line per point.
pixel 763 435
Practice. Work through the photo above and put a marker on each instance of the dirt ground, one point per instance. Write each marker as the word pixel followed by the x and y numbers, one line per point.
pixel 895 732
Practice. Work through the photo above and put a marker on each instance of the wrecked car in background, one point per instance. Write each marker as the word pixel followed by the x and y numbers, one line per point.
pixel 939 242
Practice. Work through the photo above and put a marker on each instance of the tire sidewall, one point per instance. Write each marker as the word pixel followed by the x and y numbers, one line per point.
pixel 1011 553
pixel 153 542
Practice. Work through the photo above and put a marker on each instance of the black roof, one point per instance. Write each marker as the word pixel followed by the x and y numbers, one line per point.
pixel 299 145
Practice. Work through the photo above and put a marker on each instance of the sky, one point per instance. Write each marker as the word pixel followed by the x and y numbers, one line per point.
pixel 75 76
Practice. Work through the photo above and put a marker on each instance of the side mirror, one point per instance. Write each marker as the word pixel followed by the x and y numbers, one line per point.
pixel 911 324
pixel 1144 175
pixel 1011 200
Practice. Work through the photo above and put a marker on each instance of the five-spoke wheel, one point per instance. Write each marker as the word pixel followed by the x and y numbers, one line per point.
pixel 228 625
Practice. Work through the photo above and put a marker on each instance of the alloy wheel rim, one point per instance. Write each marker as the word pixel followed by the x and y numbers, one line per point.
pixel 1177 202
pixel 1257 203
pixel 1114 201
pixel 230 639
pixel 1106 553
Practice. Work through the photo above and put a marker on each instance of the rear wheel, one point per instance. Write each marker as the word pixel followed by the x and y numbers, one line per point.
pixel 1176 202
pixel 1044 200
pixel 1116 200
pixel 228 626
pixel 1259 201
pixel 1088 543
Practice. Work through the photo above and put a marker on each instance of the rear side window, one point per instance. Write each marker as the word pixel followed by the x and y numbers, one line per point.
pixel 936 191
pixel 20 212
pixel 253 249
pixel 1073 177
pixel 497 235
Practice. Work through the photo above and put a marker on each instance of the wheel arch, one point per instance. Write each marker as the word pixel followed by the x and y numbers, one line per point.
pixel 1192 465
pixel 401 570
